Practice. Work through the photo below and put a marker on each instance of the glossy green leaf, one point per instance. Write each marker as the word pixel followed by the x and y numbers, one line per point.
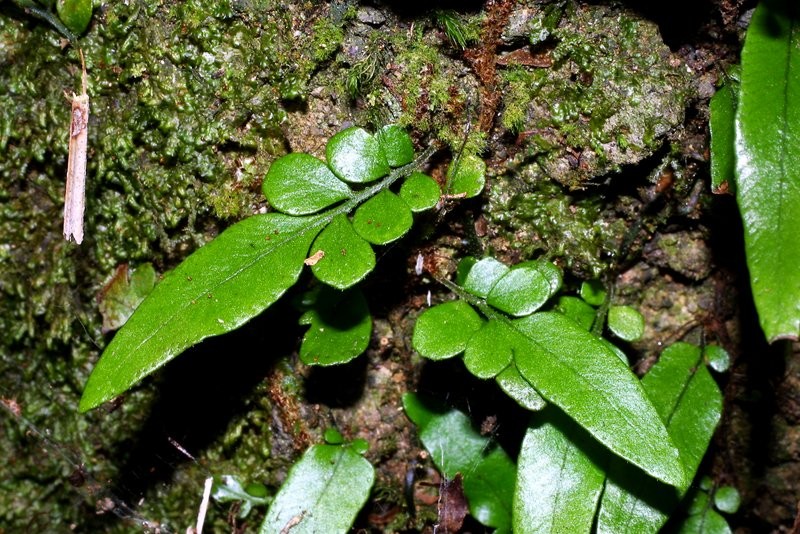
pixel 444 330
pixel 346 258
pixel 356 156
pixel 593 292
pixel 483 275
pixel 420 191
pixel 75 14
pixel 383 218
pixel 723 158
pixel 463 268
pixel 559 477
pixel 706 522
pixel 456 447
pixel 489 350
pixel 323 492
pixel 340 327
pixel 466 176
pixel 577 310
pixel 547 269
pixel 625 322
pixel 687 399
pixel 519 389
pixel 768 164
pixel 332 436
pixel 727 499
pixel 717 357
pixel 300 184
pixel 229 489
pixel 576 371
pixel 690 403
pixel 215 290
pixel 396 145
pixel 521 291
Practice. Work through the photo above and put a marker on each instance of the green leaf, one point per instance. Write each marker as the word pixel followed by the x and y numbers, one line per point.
pixel 576 371
pixel 215 290
pixel 456 447
pixel 519 389
pixel 549 270
pixel 559 477
pixel 625 322
pixel 383 218
pixel 356 156
pixel 521 291
pixel 687 399
pixel 123 294
pixel 323 492
pixel 722 125
pixel 466 176
pixel 593 292
pixel 690 404
pixel 488 351
pixel 444 330
pixel 420 191
pixel 333 436
pixel 300 184
pixel 768 164
pixel 717 357
pixel 346 257
pixel 577 310
pixel 75 14
pixel 707 522
pixel 340 327
pixel 229 489
pixel 727 499
pixel 396 145
pixel 483 276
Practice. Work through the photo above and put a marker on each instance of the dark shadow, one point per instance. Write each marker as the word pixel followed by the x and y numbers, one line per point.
pixel 757 368
pixel 450 383
pixel 680 21
pixel 417 8
pixel 199 393
pixel 337 386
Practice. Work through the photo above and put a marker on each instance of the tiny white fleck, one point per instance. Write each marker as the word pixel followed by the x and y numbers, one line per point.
pixel 429 298
pixel 418 265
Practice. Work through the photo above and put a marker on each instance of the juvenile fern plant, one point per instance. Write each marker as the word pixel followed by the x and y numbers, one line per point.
pixel 329 215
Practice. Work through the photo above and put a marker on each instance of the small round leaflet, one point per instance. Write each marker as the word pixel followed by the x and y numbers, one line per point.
pixel 625 322
pixel 383 218
pixel 489 351
pixel 348 258
pixel 444 330
pixel 467 176
pixel 420 191
pixel 300 184
pixel 356 156
pixel 520 292
pixel 483 275
pixel 75 14
pixel 396 145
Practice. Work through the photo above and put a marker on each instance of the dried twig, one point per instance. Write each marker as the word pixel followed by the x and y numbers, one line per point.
pixel 74 198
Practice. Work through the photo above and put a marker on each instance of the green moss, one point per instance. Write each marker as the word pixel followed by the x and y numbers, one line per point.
pixel 187 101
pixel 545 220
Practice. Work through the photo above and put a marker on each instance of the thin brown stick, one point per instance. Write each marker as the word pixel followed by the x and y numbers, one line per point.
pixel 74 198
